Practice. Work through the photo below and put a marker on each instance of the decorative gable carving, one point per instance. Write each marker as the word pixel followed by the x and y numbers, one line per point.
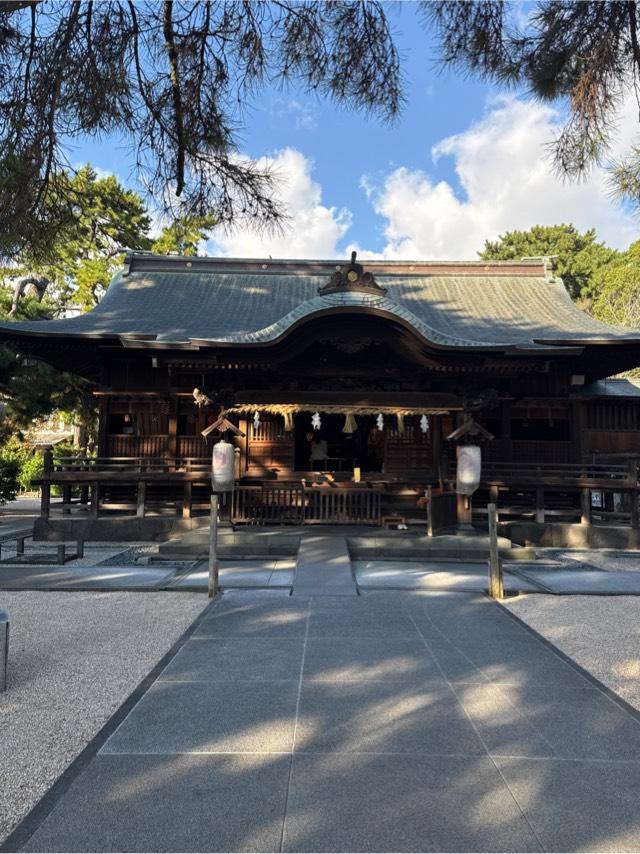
pixel 352 277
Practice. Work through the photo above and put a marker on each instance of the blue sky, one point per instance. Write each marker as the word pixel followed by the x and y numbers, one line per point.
pixel 464 162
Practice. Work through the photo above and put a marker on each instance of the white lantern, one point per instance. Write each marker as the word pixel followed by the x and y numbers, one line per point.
pixel 468 470
pixel 222 467
pixel 316 422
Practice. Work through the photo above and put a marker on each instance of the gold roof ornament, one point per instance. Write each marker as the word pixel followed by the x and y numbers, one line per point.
pixel 352 277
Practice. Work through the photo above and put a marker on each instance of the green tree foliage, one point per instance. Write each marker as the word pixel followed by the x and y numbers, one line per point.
pixel 576 257
pixel 582 54
pixel 87 250
pixel 174 78
pixel 618 289
pixel 183 236
pixel 31 389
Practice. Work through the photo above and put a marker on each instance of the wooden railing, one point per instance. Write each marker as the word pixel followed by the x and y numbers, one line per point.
pixel 342 506
pixel 537 491
pixel 561 474
pixel 268 505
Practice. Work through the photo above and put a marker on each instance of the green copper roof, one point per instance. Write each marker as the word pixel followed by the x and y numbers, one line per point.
pixel 204 302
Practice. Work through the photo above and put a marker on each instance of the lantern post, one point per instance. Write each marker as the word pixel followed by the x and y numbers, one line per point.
pixel 222 481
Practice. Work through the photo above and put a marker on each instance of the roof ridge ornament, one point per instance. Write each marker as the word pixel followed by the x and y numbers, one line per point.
pixel 352 277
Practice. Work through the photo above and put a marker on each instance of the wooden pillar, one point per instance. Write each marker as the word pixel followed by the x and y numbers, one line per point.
pixel 540 505
pixel 187 503
pixel 585 506
pixel 242 446
pixel 436 440
pixel 95 499
pixel 45 493
pixel 66 498
pixel 465 511
pixel 505 428
pixel 577 416
pixel 172 440
pixel 141 498
pixel 103 427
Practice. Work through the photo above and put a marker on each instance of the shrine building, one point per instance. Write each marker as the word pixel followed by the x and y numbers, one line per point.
pixel 352 385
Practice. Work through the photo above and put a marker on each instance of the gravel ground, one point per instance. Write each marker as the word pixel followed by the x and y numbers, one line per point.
pixel 601 633
pixel 73 659
pixel 610 560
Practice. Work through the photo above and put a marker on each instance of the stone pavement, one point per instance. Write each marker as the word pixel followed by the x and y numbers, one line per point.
pixel 411 721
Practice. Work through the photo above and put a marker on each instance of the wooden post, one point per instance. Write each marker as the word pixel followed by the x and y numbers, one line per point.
pixel 61 553
pixel 187 501
pixel 45 494
pixel 429 497
pixel 496 585
pixel 635 511
pixel 172 437
pixel 493 496
pixel 465 512
pixel 213 545
pixel 540 505
pixel 585 506
pixel 141 498
pixel 95 499
pixel 66 498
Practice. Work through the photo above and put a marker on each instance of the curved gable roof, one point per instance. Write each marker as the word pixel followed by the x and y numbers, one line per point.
pixel 169 300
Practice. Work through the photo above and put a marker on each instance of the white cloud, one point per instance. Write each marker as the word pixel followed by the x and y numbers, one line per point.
pixel 313 231
pixel 506 182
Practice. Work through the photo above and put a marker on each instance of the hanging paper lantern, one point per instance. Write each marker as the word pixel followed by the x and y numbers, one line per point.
pixel 222 467
pixel 288 422
pixel 380 421
pixel 350 424
pixel 424 424
pixel 316 422
pixel 256 421
pixel 468 469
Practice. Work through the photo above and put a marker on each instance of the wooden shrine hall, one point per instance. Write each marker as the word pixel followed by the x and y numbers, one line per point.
pixel 350 385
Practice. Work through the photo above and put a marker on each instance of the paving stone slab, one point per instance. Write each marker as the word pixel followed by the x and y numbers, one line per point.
pixel 209 717
pixel 356 717
pixel 578 805
pixel 363 659
pixel 224 660
pixel 575 723
pixel 283 619
pixel 170 803
pixel 581 581
pixel 402 803
pixel 415 575
pixel 503 665
pixel 359 625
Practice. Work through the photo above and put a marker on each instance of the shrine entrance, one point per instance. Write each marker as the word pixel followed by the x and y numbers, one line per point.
pixel 329 448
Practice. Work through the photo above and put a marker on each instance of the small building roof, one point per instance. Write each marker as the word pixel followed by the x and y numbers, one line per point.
pixel 173 301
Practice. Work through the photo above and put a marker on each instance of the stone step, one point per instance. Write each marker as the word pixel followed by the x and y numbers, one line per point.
pixel 231 543
pixel 323 568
